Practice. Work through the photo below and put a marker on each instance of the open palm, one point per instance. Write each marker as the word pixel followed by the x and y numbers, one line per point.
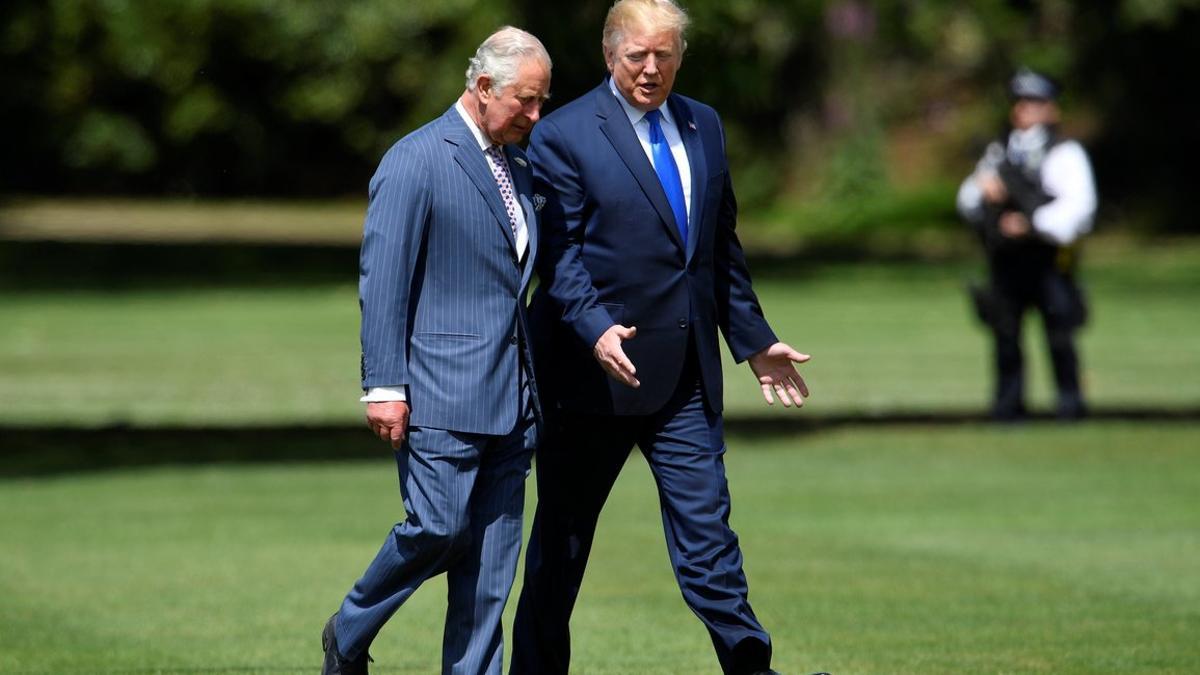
pixel 775 368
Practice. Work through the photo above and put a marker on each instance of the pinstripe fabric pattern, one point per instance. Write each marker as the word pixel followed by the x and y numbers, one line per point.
pixel 464 496
pixel 440 284
pixel 442 291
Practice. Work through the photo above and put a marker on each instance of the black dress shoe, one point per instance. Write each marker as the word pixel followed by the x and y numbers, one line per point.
pixel 335 663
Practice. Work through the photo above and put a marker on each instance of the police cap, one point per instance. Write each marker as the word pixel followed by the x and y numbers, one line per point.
pixel 1029 84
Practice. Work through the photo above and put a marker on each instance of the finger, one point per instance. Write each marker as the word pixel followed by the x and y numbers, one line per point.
pixel 797 357
pixel 397 436
pixel 619 374
pixel 766 390
pixel 383 432
pixel 794 393
pixel 801 385
pixel 783 395
pixel 624 362
pixel 625 374
pixel 626 332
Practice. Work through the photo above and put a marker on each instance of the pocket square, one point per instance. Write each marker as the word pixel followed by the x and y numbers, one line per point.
pixel 538 202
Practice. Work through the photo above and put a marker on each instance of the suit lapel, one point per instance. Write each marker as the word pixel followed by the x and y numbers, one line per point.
pixel 699 167
pixel 471 159
pixel 620 133
pixel 523 185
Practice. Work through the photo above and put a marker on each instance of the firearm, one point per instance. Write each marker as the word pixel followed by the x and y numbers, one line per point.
pixel 1025 195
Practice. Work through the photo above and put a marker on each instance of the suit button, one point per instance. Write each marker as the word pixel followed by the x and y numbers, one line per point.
pixel 683 323
pixel 512 340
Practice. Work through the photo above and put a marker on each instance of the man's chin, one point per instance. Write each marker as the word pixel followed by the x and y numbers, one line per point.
pixel 516 135
pixel 652 100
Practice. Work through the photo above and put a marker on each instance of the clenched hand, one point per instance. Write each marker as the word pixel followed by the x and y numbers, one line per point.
pixel 389 421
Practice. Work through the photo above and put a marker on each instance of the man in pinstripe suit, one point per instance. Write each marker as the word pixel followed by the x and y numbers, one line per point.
pixel 447 254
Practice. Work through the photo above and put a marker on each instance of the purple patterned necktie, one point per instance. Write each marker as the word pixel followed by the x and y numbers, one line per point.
pixel 504 181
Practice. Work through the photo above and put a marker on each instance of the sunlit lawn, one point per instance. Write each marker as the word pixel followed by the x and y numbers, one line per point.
pixel 1040 549
pixel 885 337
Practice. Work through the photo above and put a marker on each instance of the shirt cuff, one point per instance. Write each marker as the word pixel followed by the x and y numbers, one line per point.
pixel 385 394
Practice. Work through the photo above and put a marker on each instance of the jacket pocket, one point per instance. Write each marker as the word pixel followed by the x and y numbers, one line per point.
pixel 447 336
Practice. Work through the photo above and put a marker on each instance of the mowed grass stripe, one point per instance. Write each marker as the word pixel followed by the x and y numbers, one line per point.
pixel 1038 549
pixel 885 338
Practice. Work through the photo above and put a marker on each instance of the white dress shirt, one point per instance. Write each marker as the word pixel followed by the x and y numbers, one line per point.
pixel 641 126
pixel 399 392
pixel 1066 177
pixel 522 230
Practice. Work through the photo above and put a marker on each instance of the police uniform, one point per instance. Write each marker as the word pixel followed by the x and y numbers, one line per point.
pixel 1049 179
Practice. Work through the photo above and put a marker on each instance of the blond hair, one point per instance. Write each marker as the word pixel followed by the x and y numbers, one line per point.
pixel 650 16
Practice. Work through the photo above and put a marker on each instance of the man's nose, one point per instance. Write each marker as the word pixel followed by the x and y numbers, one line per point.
pixel 651 65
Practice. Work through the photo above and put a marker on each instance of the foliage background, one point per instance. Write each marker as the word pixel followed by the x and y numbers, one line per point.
pixel 181 196
pixel 826 103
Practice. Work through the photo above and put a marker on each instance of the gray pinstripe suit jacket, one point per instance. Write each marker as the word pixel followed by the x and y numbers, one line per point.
pixel 441 288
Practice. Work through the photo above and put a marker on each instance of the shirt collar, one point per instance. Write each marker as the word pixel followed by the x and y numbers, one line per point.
pixel 1028 139
pixel 483 142
pixel 634 114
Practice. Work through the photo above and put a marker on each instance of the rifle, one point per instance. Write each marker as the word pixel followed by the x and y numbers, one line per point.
pixel 1025 194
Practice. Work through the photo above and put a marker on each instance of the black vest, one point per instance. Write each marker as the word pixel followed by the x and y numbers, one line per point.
pixel 1022 177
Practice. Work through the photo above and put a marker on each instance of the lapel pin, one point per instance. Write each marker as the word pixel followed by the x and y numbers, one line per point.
pixel 691 125
pixel 538 202
pixel 520 161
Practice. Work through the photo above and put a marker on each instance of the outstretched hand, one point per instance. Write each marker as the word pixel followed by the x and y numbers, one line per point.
pixel 612 357
pixel 776 372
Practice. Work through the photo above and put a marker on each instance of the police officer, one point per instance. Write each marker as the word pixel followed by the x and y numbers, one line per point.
pixel 1030 199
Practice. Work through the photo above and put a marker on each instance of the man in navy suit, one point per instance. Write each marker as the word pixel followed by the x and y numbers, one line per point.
pixel 448 246
pixel 640 268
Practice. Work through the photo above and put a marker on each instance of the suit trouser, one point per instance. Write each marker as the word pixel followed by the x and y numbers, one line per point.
pixel 464 496
pixel 1057 299
pixel 577 465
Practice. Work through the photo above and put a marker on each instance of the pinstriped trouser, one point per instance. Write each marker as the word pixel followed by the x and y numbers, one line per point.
pixel 464 495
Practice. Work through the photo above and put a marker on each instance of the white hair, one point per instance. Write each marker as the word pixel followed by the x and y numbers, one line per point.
pixel 501 55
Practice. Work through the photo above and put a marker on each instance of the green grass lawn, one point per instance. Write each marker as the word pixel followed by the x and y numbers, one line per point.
pixel 1036 549
pixel 885 337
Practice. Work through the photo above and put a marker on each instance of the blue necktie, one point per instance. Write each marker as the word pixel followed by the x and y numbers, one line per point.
pixel 668 173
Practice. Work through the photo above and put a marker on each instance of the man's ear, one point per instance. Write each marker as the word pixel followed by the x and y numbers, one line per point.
pixel 483 86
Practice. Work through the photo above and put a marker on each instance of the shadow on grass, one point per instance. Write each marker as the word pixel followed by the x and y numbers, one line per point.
pixel 55 265
pixel 41 451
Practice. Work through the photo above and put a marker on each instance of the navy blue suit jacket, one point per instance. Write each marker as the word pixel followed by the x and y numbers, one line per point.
pixel 441 288
pixel 611 253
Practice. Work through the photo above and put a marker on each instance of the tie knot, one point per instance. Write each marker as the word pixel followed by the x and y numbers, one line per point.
pixel 653 116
